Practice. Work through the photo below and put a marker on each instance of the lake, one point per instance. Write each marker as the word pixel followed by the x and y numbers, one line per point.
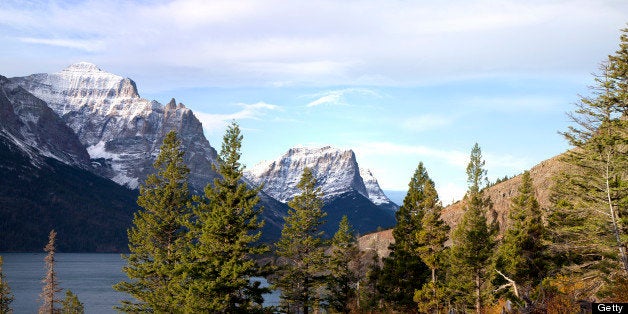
pixel 89 276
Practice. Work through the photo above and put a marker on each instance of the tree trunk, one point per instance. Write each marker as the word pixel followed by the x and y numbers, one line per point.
pixel 478 296
pixel 622 252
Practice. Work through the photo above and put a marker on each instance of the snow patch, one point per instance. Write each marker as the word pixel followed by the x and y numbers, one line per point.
pixel 122 179
pixel 99 151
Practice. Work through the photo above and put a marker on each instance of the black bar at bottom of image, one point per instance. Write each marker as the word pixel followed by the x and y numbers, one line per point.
pixel 609 307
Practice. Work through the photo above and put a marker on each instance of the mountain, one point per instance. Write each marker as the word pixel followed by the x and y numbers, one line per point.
pixel 67 133
pixel 346 188
pixel 121 131
pixel 44 179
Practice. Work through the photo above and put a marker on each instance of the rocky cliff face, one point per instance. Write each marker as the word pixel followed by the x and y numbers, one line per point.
pixel 121 131
pixel 35 129
pixel 336 171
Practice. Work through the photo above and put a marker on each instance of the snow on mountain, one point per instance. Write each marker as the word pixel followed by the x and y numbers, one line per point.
pixel 35 129
pixel 375 193
pixel 121 131
pixel 336 171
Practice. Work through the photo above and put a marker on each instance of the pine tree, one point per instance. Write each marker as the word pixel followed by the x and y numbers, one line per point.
pixel 227 229
pixel 342 281
pixel 521 260
pixel 404 271
pixel 6 297
pixel 51 282
pixel 71 304
pixel 302 249
pixel 369 298
pixel 473 238
pixel 158 237
pixel 589 219
pixel 431 240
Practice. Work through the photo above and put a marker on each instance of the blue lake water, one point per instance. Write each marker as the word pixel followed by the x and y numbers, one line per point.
pixel 89 276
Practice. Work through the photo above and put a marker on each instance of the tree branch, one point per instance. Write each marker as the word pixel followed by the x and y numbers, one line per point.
pixel 510 283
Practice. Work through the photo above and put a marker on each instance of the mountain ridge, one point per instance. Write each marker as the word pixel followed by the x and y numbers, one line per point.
pixel 93 126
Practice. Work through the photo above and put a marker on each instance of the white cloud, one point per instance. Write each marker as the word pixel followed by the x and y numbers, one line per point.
pixel 322 43
pixel 338 97
pixel 213 123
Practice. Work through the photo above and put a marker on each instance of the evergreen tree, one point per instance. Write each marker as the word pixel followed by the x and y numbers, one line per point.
pixel 431 240
pixel 158 237
pixel 302 249
pixel 6 297
pixel 589 219
pixel 520 260
pixel 473 238
pixel 342 281
pixel 403 271
pixel 227 229
pixel 51 282
pixel 71 304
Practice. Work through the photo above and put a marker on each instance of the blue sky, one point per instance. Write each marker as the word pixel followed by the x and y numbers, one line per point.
pixel 396 81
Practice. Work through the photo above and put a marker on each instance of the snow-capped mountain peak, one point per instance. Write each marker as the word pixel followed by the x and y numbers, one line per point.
pixel 82 67
pixel 118 128
pixel 336 171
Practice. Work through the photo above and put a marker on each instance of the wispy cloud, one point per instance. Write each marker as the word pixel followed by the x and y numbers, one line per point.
pixel 339 97
pixel 213 123
pixel 86 45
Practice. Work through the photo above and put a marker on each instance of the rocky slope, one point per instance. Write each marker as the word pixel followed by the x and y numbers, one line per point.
pixel 35 129
pixel 121 131
pixel 501 195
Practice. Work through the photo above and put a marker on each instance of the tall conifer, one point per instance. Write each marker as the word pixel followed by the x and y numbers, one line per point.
pixel 589 219
pixel 431 240
pixel 227 230
pixel 403 271
pixel 158 237
pixel 51 282
pixel 521 259
pixel 473 238
pixel 343 260
pixel 301 249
